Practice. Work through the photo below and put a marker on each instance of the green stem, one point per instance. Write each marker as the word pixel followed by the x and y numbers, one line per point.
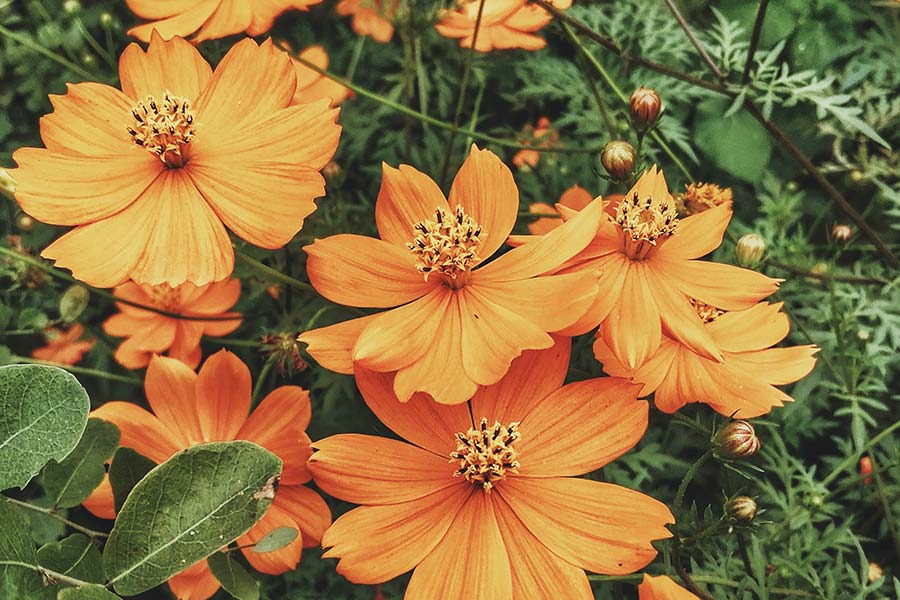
pixel 235 342
pixel 854 458
pixel 888 513
pixel 682 487
pixel 260 381
pixel 77 370
pixel 47 573
pixel 269 273
pixel 46 52
pixel 51 513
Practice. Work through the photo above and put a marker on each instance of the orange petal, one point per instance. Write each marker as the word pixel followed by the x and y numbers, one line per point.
pixel 228 19
pixel 576 197
pixel 723 286
pixel 223 396
pixel 531 377
pixel 669 396
pixel 278 425
pixel 266 11
pixel 141 431
pixel 697 235
pixel 597 526
pixel 529 18
pixel 662 588
pixel 612 270
pixel 186 345
pixel 650 374
pixel 602 420
pixel 481 570
pixel 732 392
pixel 539 226
pixel 194 583
pixel 407 196
pixel 100 503
pixel 777 366
pixel 169 386
pixel 366 469
pixel 133 352
pixel 377 543
pixel 758 327
pixel 182 23
pixel 420 420
pixel 536 571
pixel 216 298
pixel 332 346
pixel 361 271
pixel 485 188
pixel 155 9
pixel 278 561
pixel 308 510
pixel 632 330
pixel 174 66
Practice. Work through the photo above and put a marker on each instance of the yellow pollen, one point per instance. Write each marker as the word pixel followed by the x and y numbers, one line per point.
pixel 647 219
pixel 699 197
pixel 164 130
pixel 486 454
pixel 707 312
pixel 164 297
pixel 447 244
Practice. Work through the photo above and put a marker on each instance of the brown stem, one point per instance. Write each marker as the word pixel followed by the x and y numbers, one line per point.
pixel 825 276
pixel 754 39
pixel 689 583
pixel 700 49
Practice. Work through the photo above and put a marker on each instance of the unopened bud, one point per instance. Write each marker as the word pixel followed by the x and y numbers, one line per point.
pixel 856 175
pixel 7 184
pixel 106 19
pixel 741 509
pixel 865 469
pixel 618 159
pixel 841 233
pixel 875 572
pixel 645 106
pixel 71 6
pixel 750 250
pixel 737 439
pixel 331 170
pixel 25 223
pixel 73 302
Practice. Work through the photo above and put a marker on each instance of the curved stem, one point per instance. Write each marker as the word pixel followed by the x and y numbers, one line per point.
pixel 854 458
pixel 50 512
pixel 77 370
pixel 261 381
pixel 273 274
pixel 826 276
pixel 700 49
pixel 46 52
pixel 682 487
pixel 754 40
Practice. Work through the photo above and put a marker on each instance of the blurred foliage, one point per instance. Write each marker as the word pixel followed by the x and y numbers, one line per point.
pixel 827 72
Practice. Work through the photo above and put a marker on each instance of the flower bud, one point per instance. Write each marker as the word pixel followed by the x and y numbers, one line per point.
pixel 7 183
pixel 841 233
pixel 25 223
pixel 618 159
pixel 750 250
pixel 737 439
pixel 71 6
pixel 106 19
pixel 865 469
pixel 741 509
pixel 645 106
pixel 331 170
pixel 875 572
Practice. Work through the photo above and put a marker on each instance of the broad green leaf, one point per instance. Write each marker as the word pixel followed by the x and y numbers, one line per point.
pixel 126 469
pixel 73 302
pixel 87 592
pixel 18 557
pixel 276 539
pixel 187 508
pixel 234 578
pixel 76 556
pixel 43 412
pixel 72 480
pixel 32 318
pixel 45 529
pixel 736 144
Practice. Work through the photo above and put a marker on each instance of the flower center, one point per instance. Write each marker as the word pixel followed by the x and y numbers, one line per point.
pixel 164 297
pixel 164 129
pixel 645 222
pixel 486 454
pixel 447 244
pixel 707 312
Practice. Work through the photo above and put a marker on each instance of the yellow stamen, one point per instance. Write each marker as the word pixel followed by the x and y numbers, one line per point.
pixel 447 244
pixel 486 454
pixel 164 297
pixel 707 312
pixel 647 219
pixel 165 129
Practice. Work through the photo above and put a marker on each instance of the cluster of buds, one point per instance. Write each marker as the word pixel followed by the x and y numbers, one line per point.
pixel 750 250
pixel 737 440
pixel 284 349
pixel 741 509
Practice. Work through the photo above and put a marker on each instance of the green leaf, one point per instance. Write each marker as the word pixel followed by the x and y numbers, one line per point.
pixel 736 144
pixel 32 318
pixel 43 412
pixel 187 508
pixel 72 480
pixel 73 302
pixel 76 556
pixel 276 539
pixel 87 592
pixel 234 578
pixel 18 558
pixel 127 468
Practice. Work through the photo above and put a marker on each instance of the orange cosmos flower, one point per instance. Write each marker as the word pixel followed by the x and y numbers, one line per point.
pixel 504 24
pixel 209 19
pixel 649 274
pixel 370 17
pixel 544 135
pixel 484 502
pixel 742 384
pixel 148 333
pixel 211 406
pixel 311 85
pixel 64 347
pixel 151 175
pixel 459 324
pixel 662 588
pixel 576 198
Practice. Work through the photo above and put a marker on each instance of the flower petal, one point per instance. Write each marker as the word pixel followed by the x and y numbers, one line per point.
pixel 662 587
pixel 100 503
pixel 612 270
pixel 194 583
pixel 776 366
pixel 141 431
pixel 278 425
pixel 181 23
pixel 632 330
pixel 723 286
pixel 366 469
pixel 147 337
pixel 174 66
pixel 697 235
pixel 229 18
pixel 377 543
pixel 223 396
pixel 278 561
pixel 169 386
pixel 469 562
pixel 650 374
pixel 599 527
pixel 308 510
pixel 356 270
pixel 407 196
pixel 332 346
pixel 186 345
pixel 758 327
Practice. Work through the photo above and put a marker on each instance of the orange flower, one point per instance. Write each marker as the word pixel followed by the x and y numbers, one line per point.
pixel 506 517
pixel 576 198
pixel 64 347
pixel 312 86
pixel 150 176
pixel 544 135
pixel 209 19
pixel 504 24
pixel 742 385
pixel 459 324
pixel 214 405
pixel 649 274
pixel 150 333
pixel 662 588
pixel 370 17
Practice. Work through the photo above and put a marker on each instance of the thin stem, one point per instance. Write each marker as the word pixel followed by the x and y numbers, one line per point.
pixel 77 370
pixel 682 487
pixel 754 39
pixel 854 458
pixel 601 104
pixel 270 273
pixel 47 573
pixel 235 342
pixel 886 507
pixel 260 381
pixel 826 276
pixel 686 578
pixel 700 49
pixel 745 556
pixel 50 512
pixel 46 52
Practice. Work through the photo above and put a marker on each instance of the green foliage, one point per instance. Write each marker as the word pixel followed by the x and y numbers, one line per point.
pixel 737 144
pixel 276 539
pixel 17 556
pixel 234 578
pixel 125 471
pixel 70 481
pixel 87 592
pixel 75 556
